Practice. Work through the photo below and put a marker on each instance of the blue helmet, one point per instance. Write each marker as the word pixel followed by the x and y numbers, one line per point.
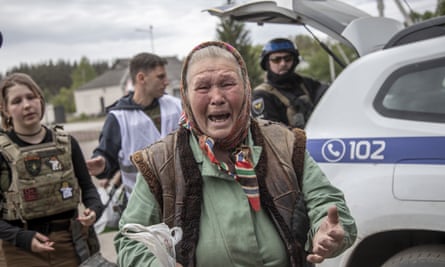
pixel 278 45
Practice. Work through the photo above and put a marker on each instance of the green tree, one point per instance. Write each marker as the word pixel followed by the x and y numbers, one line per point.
pixel 315 60
pixel 65 99
pixel 51 77
pixel 48 75
pixel 235 33
pixel 440 10
pixel 59 80
pixel 83 73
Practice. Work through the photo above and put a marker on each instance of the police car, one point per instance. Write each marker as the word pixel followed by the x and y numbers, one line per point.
pixel 379 130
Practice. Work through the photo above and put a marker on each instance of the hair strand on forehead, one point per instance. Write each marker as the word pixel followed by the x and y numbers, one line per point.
pixel 10 81
pixel 213 52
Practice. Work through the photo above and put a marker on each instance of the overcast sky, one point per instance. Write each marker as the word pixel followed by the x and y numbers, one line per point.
pixel 35 31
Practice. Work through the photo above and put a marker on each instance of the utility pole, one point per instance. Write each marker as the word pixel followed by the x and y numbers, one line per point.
pixel 150 32
pixel 381 8
pixel 405 14
pixel 152 39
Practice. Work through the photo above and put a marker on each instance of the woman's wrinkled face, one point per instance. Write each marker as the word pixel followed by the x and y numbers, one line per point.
pixel 216 95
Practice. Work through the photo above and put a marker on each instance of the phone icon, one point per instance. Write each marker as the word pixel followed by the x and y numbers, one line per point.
pixel 333 150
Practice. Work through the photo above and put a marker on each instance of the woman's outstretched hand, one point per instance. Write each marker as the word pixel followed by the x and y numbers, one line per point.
pixel 328 239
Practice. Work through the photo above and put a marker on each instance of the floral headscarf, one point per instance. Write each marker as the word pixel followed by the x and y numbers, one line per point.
pixel 244 171
pixel 241 128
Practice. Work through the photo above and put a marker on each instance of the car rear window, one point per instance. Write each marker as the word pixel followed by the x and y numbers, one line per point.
pixel 414 92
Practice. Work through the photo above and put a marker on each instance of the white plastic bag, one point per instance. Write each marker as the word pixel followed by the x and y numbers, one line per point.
pixel 113 210
pixel 159 239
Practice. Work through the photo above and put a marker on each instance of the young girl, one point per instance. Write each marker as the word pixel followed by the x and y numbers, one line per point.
pixel 43 179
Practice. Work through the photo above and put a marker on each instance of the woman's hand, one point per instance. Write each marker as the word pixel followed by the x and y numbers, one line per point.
pixel 328 239
pixel 41 243
pixel 87 218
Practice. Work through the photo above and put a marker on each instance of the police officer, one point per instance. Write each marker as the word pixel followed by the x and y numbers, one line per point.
pixel 285 96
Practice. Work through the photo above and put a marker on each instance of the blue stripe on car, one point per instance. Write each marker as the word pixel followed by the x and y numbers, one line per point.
pixel 409 150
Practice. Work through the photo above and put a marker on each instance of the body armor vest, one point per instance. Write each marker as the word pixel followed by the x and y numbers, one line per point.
pixel 42 178
pixel 298 109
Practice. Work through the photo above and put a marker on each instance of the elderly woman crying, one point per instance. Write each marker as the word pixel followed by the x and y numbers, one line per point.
pixel 244 191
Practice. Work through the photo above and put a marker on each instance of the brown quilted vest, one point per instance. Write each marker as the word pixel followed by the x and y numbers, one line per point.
pixel 173 176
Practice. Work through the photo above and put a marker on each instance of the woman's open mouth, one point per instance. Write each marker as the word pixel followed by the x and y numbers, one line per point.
pixel 219 117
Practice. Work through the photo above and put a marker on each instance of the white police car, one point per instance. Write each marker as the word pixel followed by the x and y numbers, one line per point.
pixel 379 130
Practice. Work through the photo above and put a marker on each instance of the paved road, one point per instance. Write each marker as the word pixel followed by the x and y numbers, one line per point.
pixel 87 134
pixel 107 247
